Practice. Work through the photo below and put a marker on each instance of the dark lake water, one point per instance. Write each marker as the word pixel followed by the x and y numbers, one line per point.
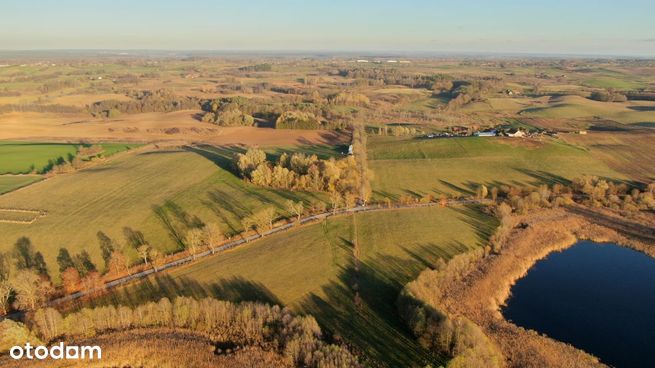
pixel 597 297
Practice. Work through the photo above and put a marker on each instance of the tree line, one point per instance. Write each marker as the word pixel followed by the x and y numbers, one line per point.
pixel 298 338
pixel 461 340
pixel 161 100
pixel 299 171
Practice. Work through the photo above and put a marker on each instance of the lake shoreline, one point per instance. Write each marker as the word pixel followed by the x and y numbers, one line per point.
pixel 481 293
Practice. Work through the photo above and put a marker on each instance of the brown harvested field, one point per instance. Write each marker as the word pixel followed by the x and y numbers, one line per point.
pixel 151 127
pixel 631 153
pixel 81 100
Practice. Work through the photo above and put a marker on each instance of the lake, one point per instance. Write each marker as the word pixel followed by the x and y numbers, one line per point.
pixel 598 297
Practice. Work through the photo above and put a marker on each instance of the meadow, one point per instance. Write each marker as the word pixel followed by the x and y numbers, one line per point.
pixel 35 157
pixel 28 157
pixel 346 271
pixel 459 165
pixel 162 193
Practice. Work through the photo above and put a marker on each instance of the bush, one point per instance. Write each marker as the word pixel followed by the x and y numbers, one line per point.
pixel 419 304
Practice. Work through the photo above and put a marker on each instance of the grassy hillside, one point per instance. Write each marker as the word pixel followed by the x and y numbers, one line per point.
pixel 317 269
pixel 459 165
pixel 161 193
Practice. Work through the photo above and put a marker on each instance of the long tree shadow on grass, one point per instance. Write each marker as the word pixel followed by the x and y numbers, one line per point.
pixel 177 221
pixel 371 325
pixel 483 224
pixel 234 289
pixel 222 156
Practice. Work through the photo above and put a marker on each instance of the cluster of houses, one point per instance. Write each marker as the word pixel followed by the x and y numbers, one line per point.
pixel 390 61
pixel 499 131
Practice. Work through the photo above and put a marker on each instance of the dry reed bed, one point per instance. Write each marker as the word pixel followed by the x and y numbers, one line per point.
pixel 479 294
pixel 160 348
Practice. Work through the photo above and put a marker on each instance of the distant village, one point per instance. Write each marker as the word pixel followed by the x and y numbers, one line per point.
pixel 498 131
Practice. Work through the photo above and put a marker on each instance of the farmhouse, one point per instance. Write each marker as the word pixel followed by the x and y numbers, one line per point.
pixel 516 133
pixel 459 130
pixel 486 133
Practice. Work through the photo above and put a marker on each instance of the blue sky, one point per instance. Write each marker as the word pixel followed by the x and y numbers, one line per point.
pixel 504 26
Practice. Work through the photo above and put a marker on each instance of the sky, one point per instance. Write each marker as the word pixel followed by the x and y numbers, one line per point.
pixel 590 27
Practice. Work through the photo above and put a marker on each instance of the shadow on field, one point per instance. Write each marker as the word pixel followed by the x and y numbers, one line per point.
pixel 370 323
pixel 234 289
pixel 177 221
pixel 483 224
pixel 457 188
pixel 357 308
pixel 222 156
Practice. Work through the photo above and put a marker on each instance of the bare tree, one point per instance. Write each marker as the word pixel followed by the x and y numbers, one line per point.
pixel 335 201
pixel 265 218
pixel 144 252
pixel 194 240
pixel 297 208
pixel 482 192
pixel 31 290
pixel 5 295
pixel 118 263
pixel 158 259
pixel 213 236
pixel 248 223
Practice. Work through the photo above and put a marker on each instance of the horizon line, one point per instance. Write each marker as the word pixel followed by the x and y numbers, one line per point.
pixel 333 52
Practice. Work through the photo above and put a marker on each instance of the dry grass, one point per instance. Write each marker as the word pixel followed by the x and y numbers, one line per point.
pixel 631 153
pixel 159 348
pixel 479 295
pixel 82 100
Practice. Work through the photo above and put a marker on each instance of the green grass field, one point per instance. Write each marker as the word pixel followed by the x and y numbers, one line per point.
pixel 459 165
pixel 27 157
pixel 161 193
pixel 312 269
pixel 24 157
pixel 13 182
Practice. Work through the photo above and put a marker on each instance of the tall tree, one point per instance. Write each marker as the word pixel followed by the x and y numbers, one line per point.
pixel 144 252
pixel 118 263
pixel 213 236
pixel 31 290
pixel 194 240
pixel 71 280
pixel 296 208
